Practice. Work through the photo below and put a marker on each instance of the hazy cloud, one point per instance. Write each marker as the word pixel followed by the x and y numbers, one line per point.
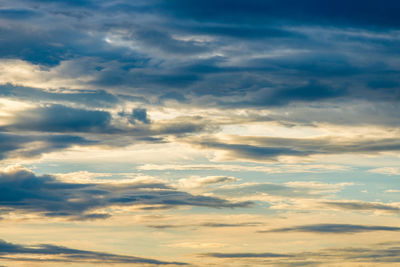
pixel 379 253
pixel 363 206
pixel 333 228
pixel 54 253
pixel 270 148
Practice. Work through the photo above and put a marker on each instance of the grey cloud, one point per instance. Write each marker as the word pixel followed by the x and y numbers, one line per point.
pixel 374 254
pixel 140 115
pixel 53 127
pixel 137 115
pixel 362 206
pixel 92 98
pixel 254 12
pixel 248 151
pixel 15 14
pixel 379 113
pixel 320 60
pixel 206 224
pixel 22 190
pixel 27 146
pixel 246 255
pixel 53 253
pixel 59 118
pixel 62 119
pixel 333 228
pixel 166 43
pixel 270 148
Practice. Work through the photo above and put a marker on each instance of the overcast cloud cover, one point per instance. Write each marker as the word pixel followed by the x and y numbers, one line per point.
pixel 182 132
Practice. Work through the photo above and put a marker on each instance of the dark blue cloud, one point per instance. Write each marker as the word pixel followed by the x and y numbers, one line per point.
pixel 53 253
pixel 139 114
pixel 16 13
pixel 28 146
pixel 59 118
pixel 22 190
pixel 233 54
pixel 370 12
pixel 377 253
pixel 362 206
pixel 270 148
pixel 311 92
pixel 92 98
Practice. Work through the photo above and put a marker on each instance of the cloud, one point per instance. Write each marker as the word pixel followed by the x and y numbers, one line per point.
pixel 333 228
pixel 91 98
pixel 271 148
pixel 378 253
pixel 137 115
pixel 386 170
pixel 32 131
pixel 21 190
pixel 246 255
pixel 292 190
pixel 290 168
pixel 195 182
pixel 206 224
pixel 28 146
pixel 363 206
pixel 184 49
pixel 359 13
pixel 53 253
pixel 59 118
pixel 392 191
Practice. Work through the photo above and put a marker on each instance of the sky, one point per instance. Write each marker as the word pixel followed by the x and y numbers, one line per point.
pixel 199 133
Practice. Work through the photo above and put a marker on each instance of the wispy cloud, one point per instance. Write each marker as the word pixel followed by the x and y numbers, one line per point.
pixel 375 254
pixel 363 206
pixel 59 254
pixel 333 228
pixel 386 170
pixel 256 148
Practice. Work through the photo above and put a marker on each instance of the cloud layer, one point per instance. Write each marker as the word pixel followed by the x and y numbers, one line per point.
pixel 23 191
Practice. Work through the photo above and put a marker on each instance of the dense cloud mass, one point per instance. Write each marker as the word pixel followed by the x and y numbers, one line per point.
pixel 285 51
